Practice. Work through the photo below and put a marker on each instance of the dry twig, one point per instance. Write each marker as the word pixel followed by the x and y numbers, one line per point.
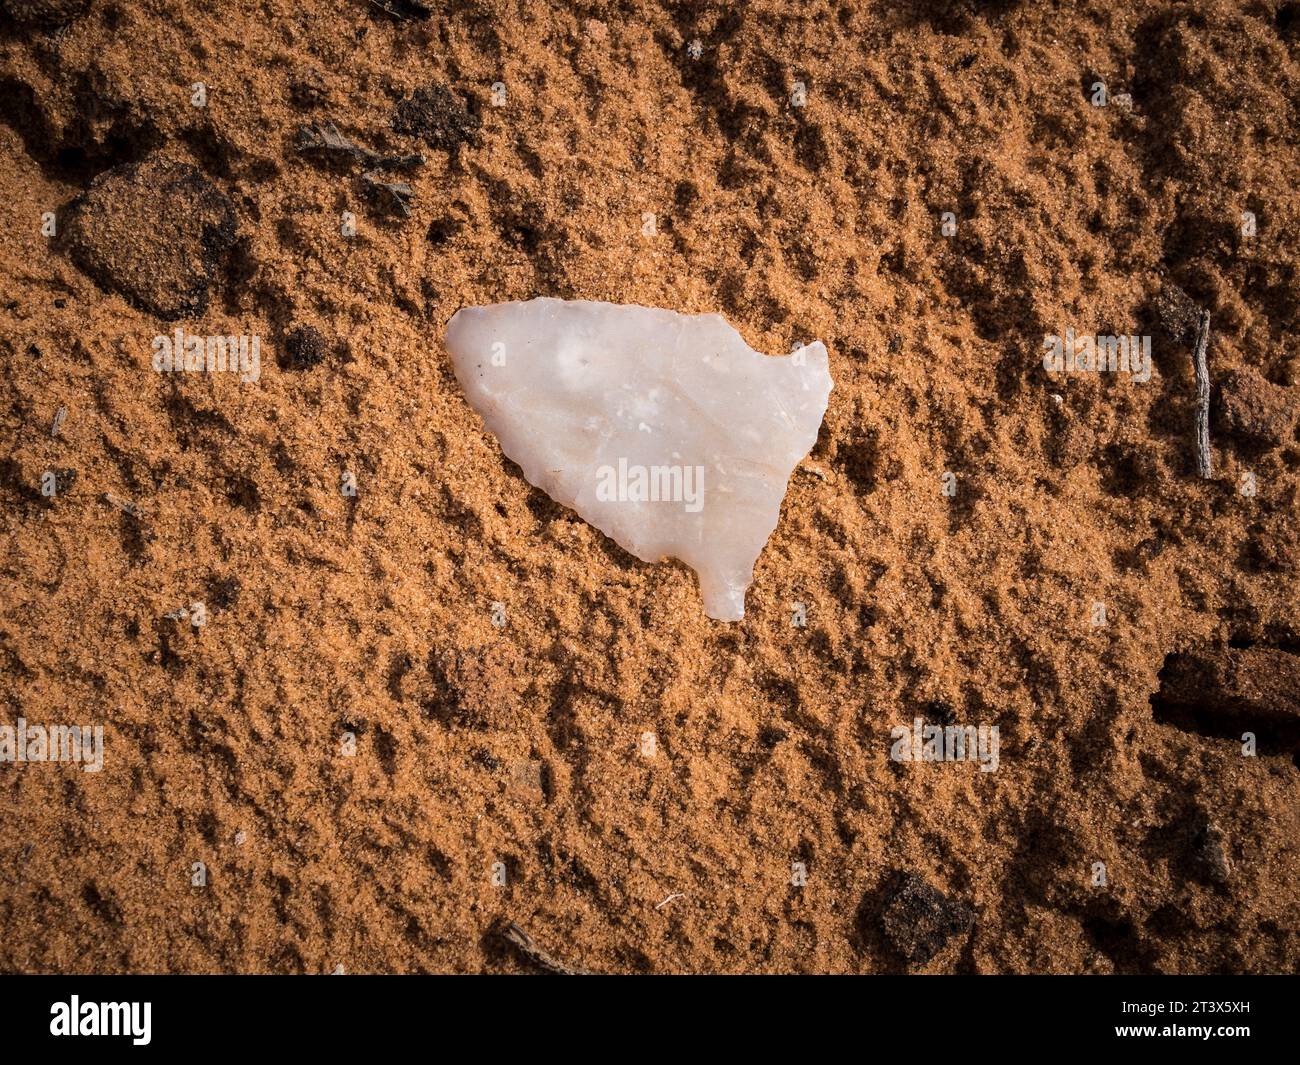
pixel 524 943
pixel 396 195
pixel 1201 366
pixel 124 505
pixel 324 136
pixel 404 10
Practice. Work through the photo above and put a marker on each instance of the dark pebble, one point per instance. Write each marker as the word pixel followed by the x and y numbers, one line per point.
pixel 304 347
pixel 438 116
pixel 919 920
pixel 155 232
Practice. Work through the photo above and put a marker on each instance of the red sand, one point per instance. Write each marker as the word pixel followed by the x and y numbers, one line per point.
pixel 522 744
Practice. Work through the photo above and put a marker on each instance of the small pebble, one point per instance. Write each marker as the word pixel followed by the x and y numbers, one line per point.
pixel 919 920
pixel 157 232
pixel 1256 410
pixel 304 348
pixel 438 116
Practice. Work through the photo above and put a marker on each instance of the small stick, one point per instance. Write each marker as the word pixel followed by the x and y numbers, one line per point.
pixel 1203 458
pixel 512 933
pixel 398 193
pixel 390 7
pixel 674 895
pixel 325 136
pixel 389 11
pixel 124 505
pixel 58 420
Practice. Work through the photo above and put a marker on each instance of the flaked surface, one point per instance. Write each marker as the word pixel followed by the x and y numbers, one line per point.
pixel 666 431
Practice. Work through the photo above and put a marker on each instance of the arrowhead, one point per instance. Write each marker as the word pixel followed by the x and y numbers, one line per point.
pixel 665 431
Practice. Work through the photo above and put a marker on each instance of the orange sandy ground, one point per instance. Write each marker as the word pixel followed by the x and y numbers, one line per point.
pixel 520 744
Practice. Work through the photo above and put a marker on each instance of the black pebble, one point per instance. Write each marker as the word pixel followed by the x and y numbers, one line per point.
pixel 304 347
pixel 437 115
pixel 918 920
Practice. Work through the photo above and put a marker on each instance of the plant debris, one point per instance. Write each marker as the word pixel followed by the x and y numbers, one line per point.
pixel 324 136
pixel 1204 461
pixel 404 10
pixel 395 195
pixel 124 505
pixel 526 946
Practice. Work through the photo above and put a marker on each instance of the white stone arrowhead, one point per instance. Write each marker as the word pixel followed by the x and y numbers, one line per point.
pixel 666 431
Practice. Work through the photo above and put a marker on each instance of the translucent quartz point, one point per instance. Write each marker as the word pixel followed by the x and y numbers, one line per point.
pixel 666 431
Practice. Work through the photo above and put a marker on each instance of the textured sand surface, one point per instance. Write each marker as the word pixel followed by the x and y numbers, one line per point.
pixel 797 162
